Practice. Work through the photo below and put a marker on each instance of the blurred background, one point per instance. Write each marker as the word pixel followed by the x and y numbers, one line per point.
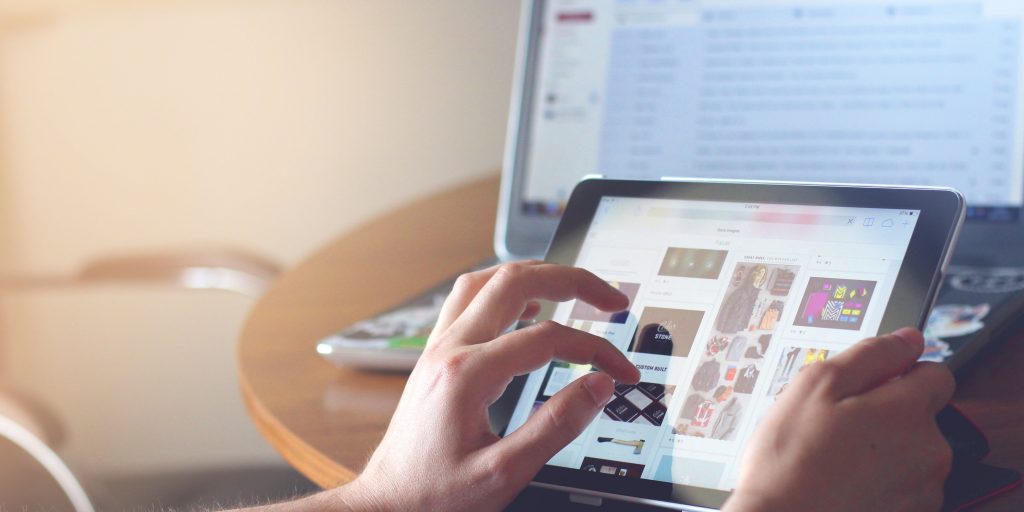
pixel 264 128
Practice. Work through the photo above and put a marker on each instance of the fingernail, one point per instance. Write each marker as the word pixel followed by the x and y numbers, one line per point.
pixel 908 335
pixel 600 387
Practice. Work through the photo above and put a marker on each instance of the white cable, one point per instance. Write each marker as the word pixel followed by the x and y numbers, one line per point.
pixel 24 439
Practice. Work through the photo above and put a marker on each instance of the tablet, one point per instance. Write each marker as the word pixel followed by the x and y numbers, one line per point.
pixel 734 288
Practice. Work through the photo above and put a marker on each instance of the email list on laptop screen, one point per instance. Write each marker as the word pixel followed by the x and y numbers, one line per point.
pixel 729 302
pixel 864 91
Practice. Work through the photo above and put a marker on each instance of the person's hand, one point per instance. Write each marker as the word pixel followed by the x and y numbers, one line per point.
pixel 439 452
pixel 854 433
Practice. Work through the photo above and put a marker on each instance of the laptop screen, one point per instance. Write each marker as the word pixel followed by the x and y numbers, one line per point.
pixel 859 91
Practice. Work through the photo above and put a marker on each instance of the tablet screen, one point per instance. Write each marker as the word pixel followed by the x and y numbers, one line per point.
pixel 729 302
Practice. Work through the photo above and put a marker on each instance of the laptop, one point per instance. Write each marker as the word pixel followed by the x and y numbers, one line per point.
pixel 905 92
pixel 908 92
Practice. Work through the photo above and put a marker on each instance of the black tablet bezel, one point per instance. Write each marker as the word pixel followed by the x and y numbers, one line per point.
pixel 942 215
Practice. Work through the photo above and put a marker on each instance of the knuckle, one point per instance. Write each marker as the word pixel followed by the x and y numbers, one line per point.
pixel 555 414
pixel 466 282
pixel 509 272
pixel 564 417
pixel 560 420
pixel 496 471
pixel 430 354
pixel 821 375
pixel 549 328
pixel 450 366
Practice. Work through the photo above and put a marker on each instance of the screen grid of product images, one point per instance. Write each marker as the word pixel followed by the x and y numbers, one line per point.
pixel 728 303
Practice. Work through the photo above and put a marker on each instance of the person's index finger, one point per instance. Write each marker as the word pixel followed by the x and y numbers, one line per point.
pixel 560 283
pixel 875 361
pixel 614 302
pixel 504 298
pixel 533 347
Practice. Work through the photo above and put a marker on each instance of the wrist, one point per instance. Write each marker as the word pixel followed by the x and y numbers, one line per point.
pixel 351 497
pixel 354 496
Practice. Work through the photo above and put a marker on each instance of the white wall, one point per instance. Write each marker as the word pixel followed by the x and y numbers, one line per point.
pixel 271 125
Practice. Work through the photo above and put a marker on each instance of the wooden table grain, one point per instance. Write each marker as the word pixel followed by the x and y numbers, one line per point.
pixel 326 421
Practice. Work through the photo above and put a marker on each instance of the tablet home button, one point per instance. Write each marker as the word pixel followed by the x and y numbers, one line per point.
pixel 586 499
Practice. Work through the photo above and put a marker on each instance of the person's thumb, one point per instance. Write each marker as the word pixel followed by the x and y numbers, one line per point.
pixel 560 420
pixel 872 362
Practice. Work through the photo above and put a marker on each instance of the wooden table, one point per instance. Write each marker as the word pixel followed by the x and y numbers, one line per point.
pixel 326 421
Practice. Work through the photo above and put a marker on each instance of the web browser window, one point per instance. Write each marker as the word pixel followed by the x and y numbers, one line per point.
pixel 909 92
pixel 728 303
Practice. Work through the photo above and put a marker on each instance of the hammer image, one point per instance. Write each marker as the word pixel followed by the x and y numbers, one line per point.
pixel 637 445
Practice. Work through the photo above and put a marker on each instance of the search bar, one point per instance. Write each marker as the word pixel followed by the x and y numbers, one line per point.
pixel 752 216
